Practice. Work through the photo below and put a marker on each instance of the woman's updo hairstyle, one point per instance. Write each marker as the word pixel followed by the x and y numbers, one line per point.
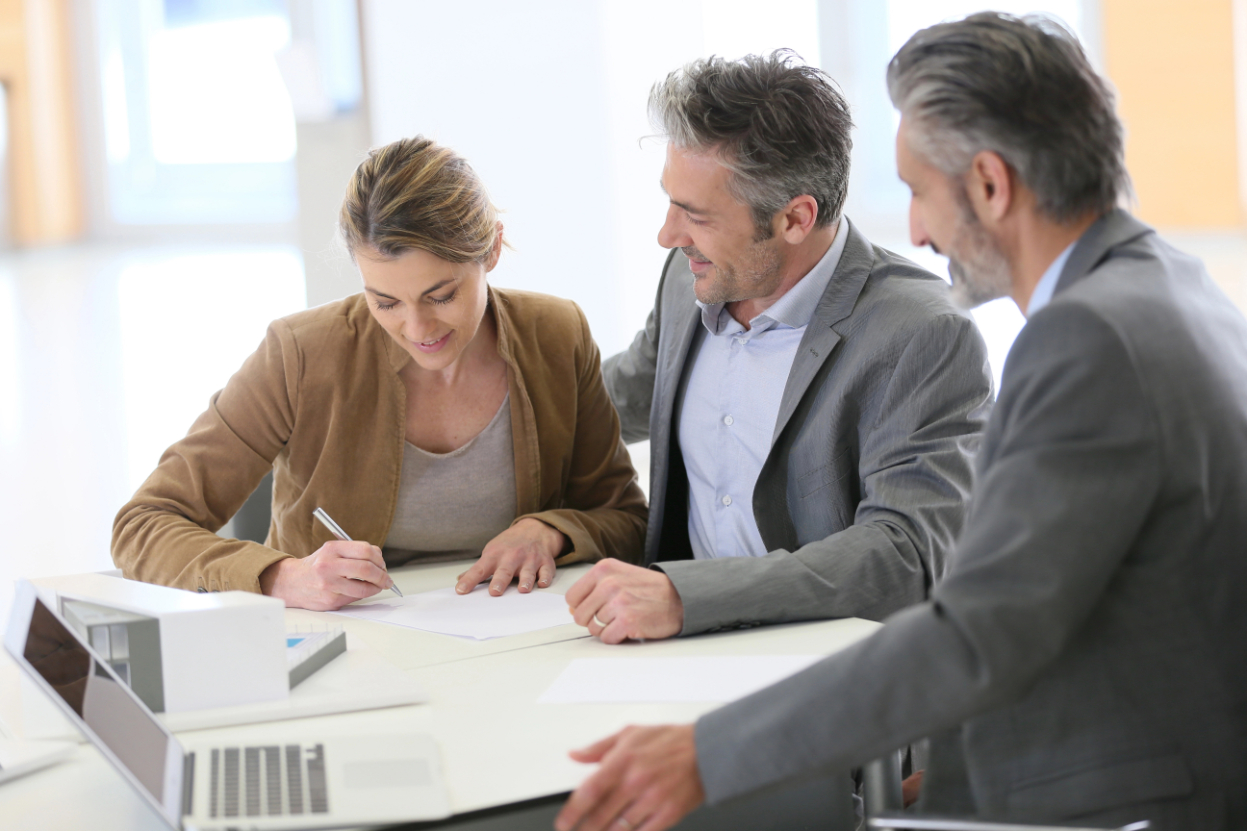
pixel 415 194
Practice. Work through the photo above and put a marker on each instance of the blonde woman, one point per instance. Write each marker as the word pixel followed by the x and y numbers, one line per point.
pixel 433 416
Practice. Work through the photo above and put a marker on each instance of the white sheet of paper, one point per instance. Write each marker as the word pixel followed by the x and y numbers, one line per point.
pixel 475 615
pixel 670 679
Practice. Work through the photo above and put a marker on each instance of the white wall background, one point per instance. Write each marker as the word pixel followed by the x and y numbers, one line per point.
pixel 547 101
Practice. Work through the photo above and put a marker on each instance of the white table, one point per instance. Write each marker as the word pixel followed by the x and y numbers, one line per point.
pixel 499 745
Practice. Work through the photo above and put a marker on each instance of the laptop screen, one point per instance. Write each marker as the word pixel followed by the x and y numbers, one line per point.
pixel 88 687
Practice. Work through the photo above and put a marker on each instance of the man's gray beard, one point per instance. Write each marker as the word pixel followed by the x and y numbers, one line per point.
pixel 973 287
pixel 977 266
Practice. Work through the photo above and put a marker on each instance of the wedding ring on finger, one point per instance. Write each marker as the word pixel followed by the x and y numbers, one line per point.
pixel 603 625
pixel 627 826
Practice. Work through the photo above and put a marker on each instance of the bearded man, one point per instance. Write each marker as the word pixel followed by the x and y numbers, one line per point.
pixel 812 401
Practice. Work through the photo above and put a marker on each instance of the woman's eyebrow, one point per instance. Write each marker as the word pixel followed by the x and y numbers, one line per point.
pixel 427 291
pixel 434 288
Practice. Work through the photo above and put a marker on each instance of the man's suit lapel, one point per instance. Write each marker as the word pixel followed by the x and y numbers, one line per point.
pixel 679 321
pixel 1109 231
pixel 820 338
pixel 684 321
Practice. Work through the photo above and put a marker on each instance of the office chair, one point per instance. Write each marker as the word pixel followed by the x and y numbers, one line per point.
pixel 252 520
pixel 881 791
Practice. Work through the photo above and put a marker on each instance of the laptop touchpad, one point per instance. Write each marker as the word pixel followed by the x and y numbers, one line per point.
pixel 394 773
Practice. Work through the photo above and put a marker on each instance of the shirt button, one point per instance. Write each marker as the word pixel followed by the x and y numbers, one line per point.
pixel 727 500
pixel 728 420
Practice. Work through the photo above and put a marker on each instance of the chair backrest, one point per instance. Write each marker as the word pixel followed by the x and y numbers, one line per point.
pixel 917 823
pixel 881 791
pixel 252 520
pixel 881 785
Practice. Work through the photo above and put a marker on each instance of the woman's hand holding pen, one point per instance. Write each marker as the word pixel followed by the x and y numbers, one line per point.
pixel 525 551
pixel 336 574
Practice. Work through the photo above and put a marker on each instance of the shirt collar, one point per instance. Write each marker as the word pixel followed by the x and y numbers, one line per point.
pixel 1042 295
pixel 796 307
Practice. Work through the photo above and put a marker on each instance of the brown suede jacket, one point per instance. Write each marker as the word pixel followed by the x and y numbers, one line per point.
pixel 322 404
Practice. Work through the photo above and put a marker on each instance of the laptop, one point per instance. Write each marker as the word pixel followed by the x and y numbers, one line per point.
pixel 302 781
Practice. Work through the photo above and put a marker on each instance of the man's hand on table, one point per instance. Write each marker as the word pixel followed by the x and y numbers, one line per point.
pixel 525 551
pixel 647 781
pixel 337 573
pixel 617 602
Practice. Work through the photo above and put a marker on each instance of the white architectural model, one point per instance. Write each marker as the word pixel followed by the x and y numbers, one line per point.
pixel 184 651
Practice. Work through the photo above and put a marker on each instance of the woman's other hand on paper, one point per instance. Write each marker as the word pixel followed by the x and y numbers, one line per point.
pixel 525 551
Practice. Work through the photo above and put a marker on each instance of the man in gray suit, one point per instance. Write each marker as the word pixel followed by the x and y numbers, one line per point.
pixel 812 401
pixel 1083 658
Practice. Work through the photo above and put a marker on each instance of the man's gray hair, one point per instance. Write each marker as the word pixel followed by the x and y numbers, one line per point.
pixel 1020 87
pixel 781 128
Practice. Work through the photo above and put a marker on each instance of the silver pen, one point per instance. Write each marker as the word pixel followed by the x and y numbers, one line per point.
pixel 334 529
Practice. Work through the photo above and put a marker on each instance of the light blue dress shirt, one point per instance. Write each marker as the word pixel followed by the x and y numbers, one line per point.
pixel 730 407
pixel 1042 295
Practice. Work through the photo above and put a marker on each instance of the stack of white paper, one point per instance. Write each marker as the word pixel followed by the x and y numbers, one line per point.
pixel 475 615
pixel 670 679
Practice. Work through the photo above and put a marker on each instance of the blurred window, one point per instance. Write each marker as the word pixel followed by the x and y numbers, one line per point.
pixel 198 127
pixel 12 330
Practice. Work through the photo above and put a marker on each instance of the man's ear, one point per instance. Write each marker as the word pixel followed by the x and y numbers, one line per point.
pixel 990 186
pixel 796 220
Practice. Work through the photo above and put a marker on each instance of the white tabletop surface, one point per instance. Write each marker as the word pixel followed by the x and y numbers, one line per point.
pixel 498 744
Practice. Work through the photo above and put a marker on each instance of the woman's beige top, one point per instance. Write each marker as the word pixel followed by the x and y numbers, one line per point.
pixel 451 504
pixel 322 405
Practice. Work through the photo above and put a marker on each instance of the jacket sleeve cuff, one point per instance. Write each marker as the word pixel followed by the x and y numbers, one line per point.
pixel 241 572
pixel 579 542
pixel 706 608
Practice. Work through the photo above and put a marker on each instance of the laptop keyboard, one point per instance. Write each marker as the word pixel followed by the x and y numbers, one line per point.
pixel 267 781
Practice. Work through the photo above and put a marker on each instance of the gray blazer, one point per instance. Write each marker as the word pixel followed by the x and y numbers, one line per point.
pixel 864 488
pixel 1088 647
